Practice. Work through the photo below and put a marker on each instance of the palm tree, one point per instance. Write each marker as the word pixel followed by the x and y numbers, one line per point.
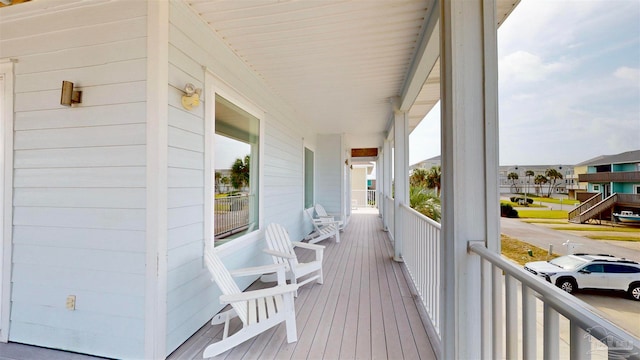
pixel 528 174
pixel 424 202
pixel 553 175
pixel 418 177
pixel 539 181
pixel 513 177
pixel 240 173
pixel 433 179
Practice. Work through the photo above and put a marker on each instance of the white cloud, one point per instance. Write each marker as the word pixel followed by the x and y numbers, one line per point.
pixel 627 73
pixel 527 67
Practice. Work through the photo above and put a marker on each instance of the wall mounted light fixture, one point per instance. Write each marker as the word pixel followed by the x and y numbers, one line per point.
pixel 191 97
pixel 69 96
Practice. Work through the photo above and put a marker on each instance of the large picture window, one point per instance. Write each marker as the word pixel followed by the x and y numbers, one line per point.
pixel 236 142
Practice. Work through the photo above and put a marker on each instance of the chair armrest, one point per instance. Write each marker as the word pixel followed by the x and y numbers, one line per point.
pixel 307 245
pixel 278 254
pixel 258 270
pixel 257 294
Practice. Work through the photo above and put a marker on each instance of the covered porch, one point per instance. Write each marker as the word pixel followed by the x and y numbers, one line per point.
pixel 110 202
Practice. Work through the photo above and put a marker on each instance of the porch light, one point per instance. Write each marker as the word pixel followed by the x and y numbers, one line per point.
pixel 191 97
pixel 70 96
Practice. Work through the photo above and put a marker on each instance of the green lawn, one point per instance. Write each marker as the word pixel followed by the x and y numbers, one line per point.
pixel 555 201
pixel 542 214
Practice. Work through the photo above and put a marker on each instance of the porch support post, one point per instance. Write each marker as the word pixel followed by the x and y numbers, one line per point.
pixel 386 182
pixel 401 177
pixel 379 181
pixel 468 53
pixel 155 309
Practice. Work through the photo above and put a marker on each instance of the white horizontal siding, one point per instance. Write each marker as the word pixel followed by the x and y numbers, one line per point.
pixel 80 177
pixel 329 172
pixel 192 299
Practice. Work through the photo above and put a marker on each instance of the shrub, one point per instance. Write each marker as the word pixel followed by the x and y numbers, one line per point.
pixel 507 210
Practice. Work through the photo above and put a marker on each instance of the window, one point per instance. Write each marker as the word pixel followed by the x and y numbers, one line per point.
pixel 308 178
pixel 596 187
pixel 236 149
pixel 620 269
pixel 594 268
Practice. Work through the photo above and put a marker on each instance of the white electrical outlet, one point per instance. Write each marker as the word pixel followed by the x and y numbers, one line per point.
pixel 71 302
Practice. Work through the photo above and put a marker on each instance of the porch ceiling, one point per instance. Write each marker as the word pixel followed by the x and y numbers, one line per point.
pixel 340 63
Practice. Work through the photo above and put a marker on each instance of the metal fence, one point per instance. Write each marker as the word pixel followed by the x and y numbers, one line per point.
pixel 231 215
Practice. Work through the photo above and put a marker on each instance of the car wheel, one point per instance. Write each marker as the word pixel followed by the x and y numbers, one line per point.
pixel 567 284
pixel 634 291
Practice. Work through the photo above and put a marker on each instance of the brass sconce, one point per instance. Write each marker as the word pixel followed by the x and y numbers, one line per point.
pixel 70 96
pixel 191 97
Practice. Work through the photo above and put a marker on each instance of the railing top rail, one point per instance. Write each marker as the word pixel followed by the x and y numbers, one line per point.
pixel 567 305
pixel 422 217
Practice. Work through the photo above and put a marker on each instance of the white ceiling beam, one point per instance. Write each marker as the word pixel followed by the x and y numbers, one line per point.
pixel 426 56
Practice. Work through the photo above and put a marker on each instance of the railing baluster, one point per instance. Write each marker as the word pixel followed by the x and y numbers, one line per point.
pixel 497 324
pixel 511 306
pixel 579 342
pixel 551 332
pixel 486 315
pixel 528 323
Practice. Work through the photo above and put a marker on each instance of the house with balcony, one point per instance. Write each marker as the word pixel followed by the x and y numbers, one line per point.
pixel 111 112
pixel 612 185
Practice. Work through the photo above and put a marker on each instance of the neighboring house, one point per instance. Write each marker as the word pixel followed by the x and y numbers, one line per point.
pixel 426 164
pixel 362 194
pixel 615 179
pixel 607 174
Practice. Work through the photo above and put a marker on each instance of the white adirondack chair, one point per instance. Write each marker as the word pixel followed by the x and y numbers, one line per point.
pixel 281 249
pixel 323 229
pixel 324 217
pixel 259 310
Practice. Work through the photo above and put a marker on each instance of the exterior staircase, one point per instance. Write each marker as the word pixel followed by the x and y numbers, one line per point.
pixel 594 206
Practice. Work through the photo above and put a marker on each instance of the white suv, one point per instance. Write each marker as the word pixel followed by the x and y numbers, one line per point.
pixel 584 271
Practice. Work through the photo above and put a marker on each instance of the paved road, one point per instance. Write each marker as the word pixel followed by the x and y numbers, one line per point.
pixel 614 306
pixel 541 236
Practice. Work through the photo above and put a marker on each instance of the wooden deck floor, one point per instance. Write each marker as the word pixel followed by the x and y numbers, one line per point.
pixel 364 309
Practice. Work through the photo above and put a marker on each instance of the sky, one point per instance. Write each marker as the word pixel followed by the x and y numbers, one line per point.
pixel 569 84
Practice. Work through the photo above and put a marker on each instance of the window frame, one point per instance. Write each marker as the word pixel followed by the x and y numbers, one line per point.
pixel 216 86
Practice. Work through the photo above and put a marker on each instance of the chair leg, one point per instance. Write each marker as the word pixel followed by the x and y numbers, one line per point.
pixel 320 278
pixel 290 324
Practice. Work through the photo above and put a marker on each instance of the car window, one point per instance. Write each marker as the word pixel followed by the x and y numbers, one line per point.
pixel 620 269
pixel 594 268
pixel 567 262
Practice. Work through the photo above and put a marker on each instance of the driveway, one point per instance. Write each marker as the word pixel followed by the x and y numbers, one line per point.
pixel 614 306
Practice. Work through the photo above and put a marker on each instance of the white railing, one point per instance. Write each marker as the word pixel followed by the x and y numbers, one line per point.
pixel 364 198
pixel 231 215
pixel 590 336
pixel 514 303
pixel 421 255
pixel 388 215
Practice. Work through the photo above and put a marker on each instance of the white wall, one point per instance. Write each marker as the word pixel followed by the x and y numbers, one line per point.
pixel 79 179
pixel 329 165
pixel 192 298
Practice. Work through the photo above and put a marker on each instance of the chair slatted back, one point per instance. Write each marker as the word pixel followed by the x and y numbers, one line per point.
pixel 320 210
pixel 225 282
pixel 278 240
